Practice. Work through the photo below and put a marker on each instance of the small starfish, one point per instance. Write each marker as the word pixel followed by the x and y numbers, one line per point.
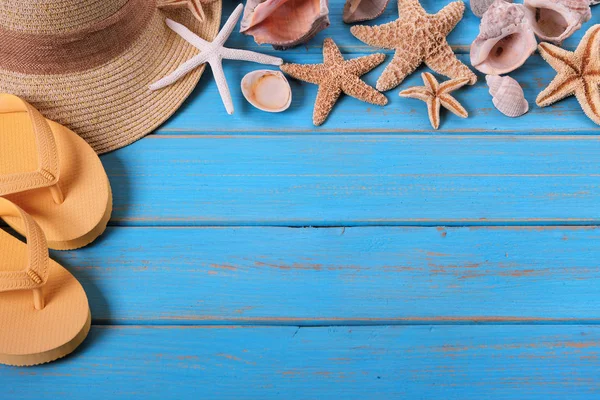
pixel 335 76
pixel 435 94
pixel 417 37
pixel 195 6
pixel 213 53
pixel 578 73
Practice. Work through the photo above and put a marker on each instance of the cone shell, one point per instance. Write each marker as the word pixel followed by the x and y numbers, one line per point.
pixel 363 10
pixel 267 90
pixel 507 95
pixel 284 23
pixel 505 40
pixel 555 20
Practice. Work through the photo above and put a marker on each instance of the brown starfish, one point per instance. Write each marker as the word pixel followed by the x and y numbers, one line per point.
pixel 417 37
pixel 578 73
pixel 435 94
pixel 335 76
pixel 195 6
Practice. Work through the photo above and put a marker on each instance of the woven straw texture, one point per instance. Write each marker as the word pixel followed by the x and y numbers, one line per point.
pixel 110 105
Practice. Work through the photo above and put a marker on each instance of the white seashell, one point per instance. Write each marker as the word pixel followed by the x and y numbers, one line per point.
pixel 479 7
pixel 505 39
pixel 284 23
pixel 267 90
pixel 507 95
pixel 555 20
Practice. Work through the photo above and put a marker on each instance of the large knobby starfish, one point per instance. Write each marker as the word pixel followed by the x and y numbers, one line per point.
pixel 417 37
pixel 578 73
pixel 195 6
pixel 436 95
pixel 335 76
pixel 213 53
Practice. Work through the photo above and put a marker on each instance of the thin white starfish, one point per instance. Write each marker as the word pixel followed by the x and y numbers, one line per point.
pixel 213 53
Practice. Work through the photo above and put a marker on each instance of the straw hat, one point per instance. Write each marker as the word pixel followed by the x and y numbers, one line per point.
pixel 87 64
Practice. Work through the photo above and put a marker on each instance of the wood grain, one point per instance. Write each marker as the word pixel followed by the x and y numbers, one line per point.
pixel 449 362
pixel 331 180
pixel 359 276
pixel 457 264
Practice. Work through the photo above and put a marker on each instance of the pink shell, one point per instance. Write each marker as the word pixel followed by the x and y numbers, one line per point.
pixel 363 10
pixel 507 95
pixel 284 23
pixel 505 39
pixel 556 20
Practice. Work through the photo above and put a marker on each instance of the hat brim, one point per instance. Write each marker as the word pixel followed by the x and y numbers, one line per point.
pixel 111 106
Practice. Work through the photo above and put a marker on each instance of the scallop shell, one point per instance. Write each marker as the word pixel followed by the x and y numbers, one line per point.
pixel 555 20
pixel 505 39
pixel 507 95
pixel 363 10
pixel 478 7
pixel 284 23
pixel 267 90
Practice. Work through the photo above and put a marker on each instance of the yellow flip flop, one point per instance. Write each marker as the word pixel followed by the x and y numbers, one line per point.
pixel 44 311
pixel 52 174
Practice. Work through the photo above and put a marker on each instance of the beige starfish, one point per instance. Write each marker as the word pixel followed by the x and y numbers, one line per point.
pixel 335 76
pixel 195 6
pixel 417 37
pixel 435 94
pixel 578 73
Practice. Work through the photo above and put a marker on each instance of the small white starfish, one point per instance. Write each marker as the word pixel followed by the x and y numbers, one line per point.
pixel 213 53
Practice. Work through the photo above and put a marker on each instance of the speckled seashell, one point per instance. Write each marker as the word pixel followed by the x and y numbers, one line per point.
pixel 284 23
pixel 555 20
pixel 507 95
pixel 267 90
pixel 363 10
pixel 505 39
pixel 479 7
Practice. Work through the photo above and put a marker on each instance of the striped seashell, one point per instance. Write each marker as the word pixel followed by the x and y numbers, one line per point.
pixel 507 95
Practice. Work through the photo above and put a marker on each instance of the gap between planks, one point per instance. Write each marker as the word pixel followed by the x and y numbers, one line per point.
pixel 328 322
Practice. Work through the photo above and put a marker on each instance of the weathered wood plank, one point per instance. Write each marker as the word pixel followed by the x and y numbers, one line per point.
pixel 449 362
pixel 340 276
pixel 204 112
pixel 354 180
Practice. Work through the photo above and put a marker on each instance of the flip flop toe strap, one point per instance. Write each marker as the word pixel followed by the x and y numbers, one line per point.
pixel 35 274
pixel 47 172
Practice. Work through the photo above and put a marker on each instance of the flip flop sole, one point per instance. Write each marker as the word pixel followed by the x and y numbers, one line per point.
pixel 29 360
pixel 87 207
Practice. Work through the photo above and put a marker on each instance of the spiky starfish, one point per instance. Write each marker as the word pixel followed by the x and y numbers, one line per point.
pixel 195 6
pixel 335 76
pixel 435 94
pixel 578 73
pixel 213 53
pixel 417 37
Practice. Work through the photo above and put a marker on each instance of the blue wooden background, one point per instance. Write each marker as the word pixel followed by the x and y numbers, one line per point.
pixel 255 256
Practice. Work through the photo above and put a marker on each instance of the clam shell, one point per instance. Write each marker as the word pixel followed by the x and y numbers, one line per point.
pixel 555 20
pixel 505 39
pixel 479 7
pixel 267 90
pixel 363 10
pixel 507 95
pixel 284 23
